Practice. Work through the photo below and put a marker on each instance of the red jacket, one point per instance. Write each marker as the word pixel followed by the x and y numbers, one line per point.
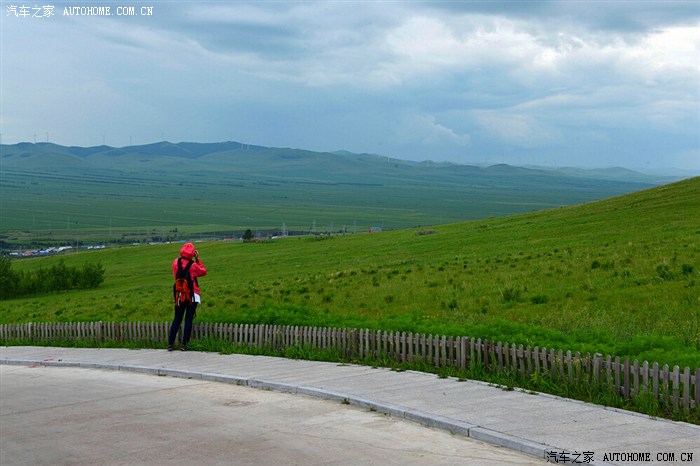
pixel 197 270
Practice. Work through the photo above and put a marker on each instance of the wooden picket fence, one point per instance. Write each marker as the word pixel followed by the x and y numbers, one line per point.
pixel 671 386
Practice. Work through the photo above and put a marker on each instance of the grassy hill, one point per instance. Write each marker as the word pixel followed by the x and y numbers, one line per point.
pixel 618 276
pixel 52 194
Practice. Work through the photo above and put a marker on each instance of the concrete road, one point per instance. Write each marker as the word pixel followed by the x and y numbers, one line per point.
pixel 53 415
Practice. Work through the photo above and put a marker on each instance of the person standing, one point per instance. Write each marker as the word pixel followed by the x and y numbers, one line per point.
pixel 189 258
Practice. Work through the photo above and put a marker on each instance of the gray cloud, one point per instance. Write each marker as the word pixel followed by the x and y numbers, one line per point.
pixel 559 82
pixel 595 15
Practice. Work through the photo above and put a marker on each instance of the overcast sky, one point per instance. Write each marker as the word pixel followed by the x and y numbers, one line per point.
pixel 561 83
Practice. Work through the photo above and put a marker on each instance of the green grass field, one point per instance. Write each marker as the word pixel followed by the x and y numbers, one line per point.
pixel 618 276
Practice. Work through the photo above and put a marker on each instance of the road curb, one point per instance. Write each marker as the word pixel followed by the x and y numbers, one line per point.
pixel 425 419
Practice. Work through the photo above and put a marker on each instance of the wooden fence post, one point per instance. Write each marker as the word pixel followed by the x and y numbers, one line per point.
pixel 451 351
pixel 685 379
pixel 553 363
pixel 478 351
pixel 362 351
pixel 655 380
pixel 443 351
pixel 664 380
pixel 675 379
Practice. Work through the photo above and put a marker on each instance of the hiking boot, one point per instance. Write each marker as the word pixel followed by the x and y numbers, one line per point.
pixel 183 348
pixel 169 348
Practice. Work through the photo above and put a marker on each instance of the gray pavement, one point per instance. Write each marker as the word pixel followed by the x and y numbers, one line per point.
pixel 67 415
pixel 539 425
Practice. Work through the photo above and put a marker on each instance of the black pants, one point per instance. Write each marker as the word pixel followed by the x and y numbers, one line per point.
pixel 188 312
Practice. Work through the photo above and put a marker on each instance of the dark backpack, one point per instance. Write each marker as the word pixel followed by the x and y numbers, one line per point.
pixel 183 289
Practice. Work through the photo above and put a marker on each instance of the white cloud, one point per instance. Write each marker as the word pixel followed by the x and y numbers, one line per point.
pixel 431 46
pixel 426 131
pixel 519 129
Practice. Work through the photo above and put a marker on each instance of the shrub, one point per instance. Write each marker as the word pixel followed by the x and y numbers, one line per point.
pixel 8 278
pixel 664 272
pixel 58 277
pixel 539 299
pixel 510 294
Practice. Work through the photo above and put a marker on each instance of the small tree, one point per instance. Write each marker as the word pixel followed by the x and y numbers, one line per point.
pixel 8 279
pixel 247 236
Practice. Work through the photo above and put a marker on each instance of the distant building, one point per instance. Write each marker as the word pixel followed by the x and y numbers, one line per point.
pixel 374 229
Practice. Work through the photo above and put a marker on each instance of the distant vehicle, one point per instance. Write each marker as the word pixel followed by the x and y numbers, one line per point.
pixel 374 229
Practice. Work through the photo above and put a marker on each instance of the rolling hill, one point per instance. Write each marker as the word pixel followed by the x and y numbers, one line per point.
pixel 51 194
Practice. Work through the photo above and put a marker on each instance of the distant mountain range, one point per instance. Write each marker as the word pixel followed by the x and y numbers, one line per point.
pixel 239 156
pixel 48 191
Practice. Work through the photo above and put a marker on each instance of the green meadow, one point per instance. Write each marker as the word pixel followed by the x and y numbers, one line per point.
pixel 55 195
pixel 618 276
